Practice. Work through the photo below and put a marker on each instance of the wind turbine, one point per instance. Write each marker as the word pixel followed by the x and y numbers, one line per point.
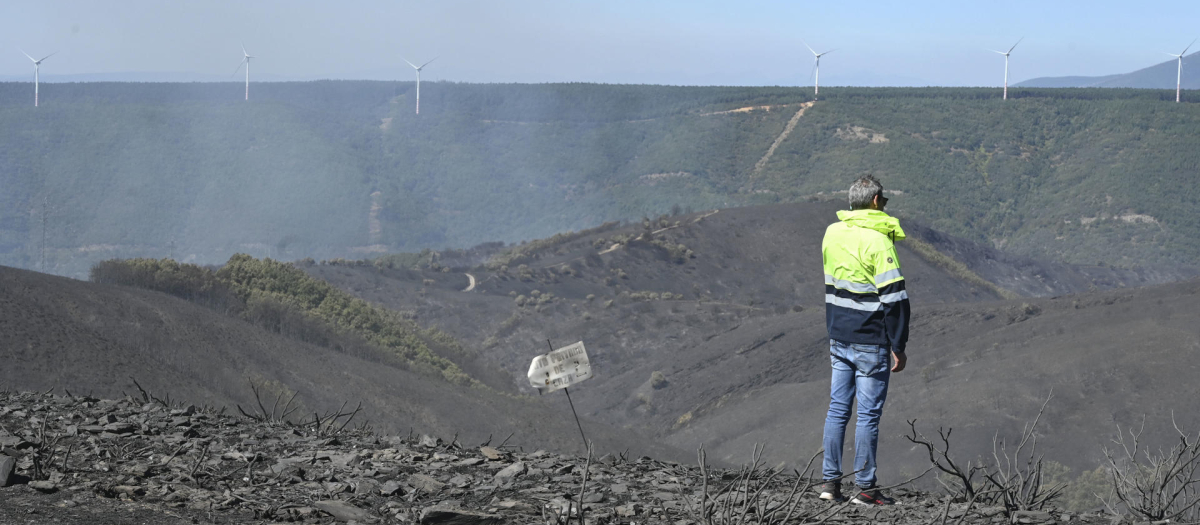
pixel 1179 73
pixel 422 66
pixel 36 66
pixel 817 67
pixel 246 62
pixel 1006 53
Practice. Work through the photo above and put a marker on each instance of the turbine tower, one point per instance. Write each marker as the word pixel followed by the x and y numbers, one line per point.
pixel 817 68
pixel 418 68
pixel 1179 72
pixel 245 62
pixel 1006 53
pixel 37 64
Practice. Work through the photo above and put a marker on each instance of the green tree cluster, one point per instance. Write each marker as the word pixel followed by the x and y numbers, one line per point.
pixel 284 299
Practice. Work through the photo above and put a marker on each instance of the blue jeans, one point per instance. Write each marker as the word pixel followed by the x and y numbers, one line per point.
pixel 863 370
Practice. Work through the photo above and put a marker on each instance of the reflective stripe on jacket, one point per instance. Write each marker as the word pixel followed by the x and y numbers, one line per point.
pixel 865 299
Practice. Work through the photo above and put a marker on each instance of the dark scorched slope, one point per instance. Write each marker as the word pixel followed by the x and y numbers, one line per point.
pixel 97 339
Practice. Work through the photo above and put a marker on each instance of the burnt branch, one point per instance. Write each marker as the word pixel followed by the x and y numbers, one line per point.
pixel 754 494
pixel 1164 485
pixel 963 487
pixel 275 415
pixel 147 397
pixel 1018 477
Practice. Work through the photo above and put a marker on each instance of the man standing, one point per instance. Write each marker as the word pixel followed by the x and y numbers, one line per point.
pixel 866 310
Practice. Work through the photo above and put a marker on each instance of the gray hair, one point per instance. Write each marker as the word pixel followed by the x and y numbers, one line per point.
pixel 863 192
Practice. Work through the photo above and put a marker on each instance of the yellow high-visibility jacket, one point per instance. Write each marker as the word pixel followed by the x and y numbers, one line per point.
pixel 865 299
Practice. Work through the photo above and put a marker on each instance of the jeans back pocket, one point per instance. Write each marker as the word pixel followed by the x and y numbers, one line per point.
pixel 870 359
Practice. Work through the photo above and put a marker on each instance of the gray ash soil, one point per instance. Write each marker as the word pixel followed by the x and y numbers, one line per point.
pixel 142 461
pixel 742 342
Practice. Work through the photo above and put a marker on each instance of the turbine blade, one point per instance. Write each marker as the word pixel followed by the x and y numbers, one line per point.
pixel 828 52
pixel 48 56
pixel 1015 45
pixel 430 62
pixel 244 50
pixel 809 47
pixel 27 55
pixel 1001 52
pixel 239 68
pixel 1188 47
pixel 414 66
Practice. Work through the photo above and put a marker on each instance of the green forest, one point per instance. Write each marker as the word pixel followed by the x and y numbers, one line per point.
pixel 346 169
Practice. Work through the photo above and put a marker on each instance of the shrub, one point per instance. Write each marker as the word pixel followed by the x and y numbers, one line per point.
pixel 658 380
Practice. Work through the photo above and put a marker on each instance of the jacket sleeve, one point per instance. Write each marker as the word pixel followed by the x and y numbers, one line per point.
pixel 892 296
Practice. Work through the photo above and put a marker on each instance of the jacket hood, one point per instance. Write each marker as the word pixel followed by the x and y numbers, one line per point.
pixel 875 220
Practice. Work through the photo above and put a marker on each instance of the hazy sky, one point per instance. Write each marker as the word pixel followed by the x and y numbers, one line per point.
pixel 616 41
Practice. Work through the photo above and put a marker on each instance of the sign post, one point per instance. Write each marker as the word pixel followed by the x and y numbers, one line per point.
pixel 560 369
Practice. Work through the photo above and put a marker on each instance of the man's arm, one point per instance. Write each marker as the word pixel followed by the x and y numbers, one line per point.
pixel 893 297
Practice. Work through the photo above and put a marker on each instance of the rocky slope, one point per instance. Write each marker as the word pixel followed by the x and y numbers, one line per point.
pixel 73 460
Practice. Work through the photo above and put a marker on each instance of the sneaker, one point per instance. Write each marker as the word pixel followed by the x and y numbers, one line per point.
pixel 831 491
pixel 872 497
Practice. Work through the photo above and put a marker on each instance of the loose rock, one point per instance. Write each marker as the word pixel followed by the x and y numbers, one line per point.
pixel 390 488
pixel 510 472
pixel 491 453
pixel 7 465
pixel 425 483
pixel 451 516
pixel 43 486
pixel 343 511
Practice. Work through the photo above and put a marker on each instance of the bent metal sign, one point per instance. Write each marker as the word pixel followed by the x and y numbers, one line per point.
pixel 560 369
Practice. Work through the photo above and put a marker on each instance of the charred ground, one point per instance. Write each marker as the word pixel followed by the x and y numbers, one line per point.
pixel 704 328
pixel 728 306
pixel 98 339
pixel 80 460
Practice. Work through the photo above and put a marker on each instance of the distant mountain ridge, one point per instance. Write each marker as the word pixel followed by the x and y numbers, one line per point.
pixel 183 76
pixel 346 169
pixel 1158 76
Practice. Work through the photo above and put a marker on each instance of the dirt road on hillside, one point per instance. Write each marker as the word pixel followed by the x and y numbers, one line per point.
pixel 787 130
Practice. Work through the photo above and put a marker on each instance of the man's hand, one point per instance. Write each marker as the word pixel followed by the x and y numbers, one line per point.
pixel 898 361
